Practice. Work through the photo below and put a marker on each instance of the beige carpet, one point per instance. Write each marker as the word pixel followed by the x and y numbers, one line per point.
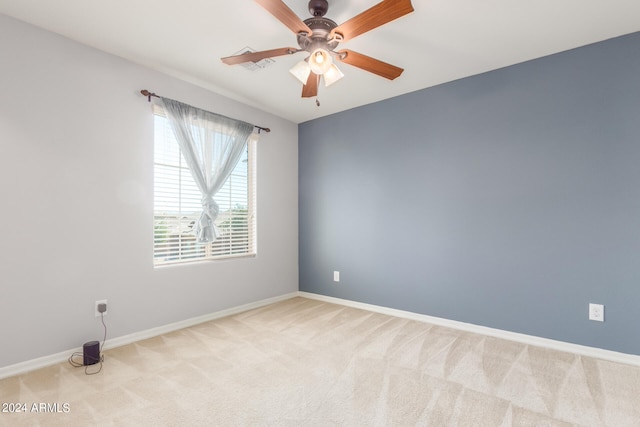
pixel 303 362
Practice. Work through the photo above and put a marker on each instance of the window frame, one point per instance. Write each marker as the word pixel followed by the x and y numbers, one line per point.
pixel 183 249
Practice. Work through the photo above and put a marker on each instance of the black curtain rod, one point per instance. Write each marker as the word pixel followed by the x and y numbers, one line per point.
pixel 151 94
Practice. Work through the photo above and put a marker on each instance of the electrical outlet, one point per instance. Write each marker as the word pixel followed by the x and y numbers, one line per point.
pixel 596 312
pixel 98 313
pixel 336 276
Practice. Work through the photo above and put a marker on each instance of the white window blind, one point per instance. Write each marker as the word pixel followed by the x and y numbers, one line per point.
pixel 177 205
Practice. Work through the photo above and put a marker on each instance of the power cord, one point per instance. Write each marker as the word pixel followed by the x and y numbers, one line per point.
pixel 76 364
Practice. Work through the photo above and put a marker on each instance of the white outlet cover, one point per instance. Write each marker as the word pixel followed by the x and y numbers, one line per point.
pixel 596 312
pixel 102 301
pixel 336 276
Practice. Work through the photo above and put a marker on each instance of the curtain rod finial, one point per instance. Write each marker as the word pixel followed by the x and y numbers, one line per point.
pixel 147 94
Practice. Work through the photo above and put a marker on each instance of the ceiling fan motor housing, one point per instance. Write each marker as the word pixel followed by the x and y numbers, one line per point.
pixel 321 28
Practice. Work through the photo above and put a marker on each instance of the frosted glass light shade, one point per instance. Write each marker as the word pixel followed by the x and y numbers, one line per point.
pixel 332 75
pixel 301 71
pixel 320 61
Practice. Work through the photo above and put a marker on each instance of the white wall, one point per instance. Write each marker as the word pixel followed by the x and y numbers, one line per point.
pixel 76 185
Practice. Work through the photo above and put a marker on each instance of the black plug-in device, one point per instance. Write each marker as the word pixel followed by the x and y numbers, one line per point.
pixel 91 353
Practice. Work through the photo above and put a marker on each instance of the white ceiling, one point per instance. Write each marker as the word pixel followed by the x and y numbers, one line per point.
pixel 442 40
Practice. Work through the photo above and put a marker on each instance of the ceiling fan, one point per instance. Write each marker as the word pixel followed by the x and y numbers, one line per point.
pixel 319 36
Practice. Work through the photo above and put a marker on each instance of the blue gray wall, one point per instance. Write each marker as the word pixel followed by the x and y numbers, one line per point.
pixel 509 199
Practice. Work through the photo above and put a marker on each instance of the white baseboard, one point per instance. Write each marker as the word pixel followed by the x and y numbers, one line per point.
pixel 594 352
pixel 42 362
pixel 154 332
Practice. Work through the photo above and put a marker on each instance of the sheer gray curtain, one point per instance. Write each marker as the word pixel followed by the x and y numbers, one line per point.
pixel 211 146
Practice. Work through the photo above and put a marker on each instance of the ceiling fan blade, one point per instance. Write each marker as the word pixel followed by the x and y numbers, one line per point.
pixel 380 14
pixel 310 89
pixel 285 15
pixel 257 56
pixel 369 64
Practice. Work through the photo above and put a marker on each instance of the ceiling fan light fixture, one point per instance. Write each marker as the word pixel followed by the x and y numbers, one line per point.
pixel 319 37
pixel 301 71
pixel 332 75
pixel 320 61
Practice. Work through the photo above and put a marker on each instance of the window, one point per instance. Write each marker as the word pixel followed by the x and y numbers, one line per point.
pixel 177 205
